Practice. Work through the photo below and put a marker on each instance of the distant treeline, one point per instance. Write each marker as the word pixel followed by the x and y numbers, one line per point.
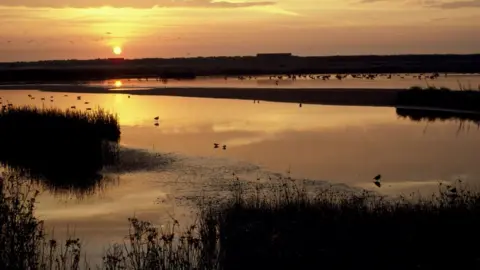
pixel 185 68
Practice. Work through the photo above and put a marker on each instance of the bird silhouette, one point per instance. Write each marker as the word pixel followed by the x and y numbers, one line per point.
pixel 224 147
pixel 156 118
pixel 377 180
pixel 215 145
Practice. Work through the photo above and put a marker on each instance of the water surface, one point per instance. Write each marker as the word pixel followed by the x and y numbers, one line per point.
pixel 328 144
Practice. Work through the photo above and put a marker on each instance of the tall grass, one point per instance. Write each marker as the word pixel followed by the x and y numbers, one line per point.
pixel 23 241
pixel 64 147
pixel 437 115
pixel 278 225
pixel 283 227
pixel 434 97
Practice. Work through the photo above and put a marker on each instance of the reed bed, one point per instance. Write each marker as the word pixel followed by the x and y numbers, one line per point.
pixel 64 147
pixel 467 100
pixel 278 225
pixel 282 226
pixel 438 115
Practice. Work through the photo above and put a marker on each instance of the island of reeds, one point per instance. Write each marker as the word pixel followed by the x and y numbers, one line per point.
pixel 442 98
pixel 61 147
pixel 418 114
pixel 279 225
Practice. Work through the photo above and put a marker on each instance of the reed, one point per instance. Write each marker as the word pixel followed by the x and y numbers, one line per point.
pixel 278 225
pixel 467 100
pixel 64 147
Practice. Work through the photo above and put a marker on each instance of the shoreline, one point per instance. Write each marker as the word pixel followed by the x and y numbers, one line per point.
pixel 321 96
pixel 373 97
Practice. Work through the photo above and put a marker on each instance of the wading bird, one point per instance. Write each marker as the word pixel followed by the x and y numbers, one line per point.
pixel 377 180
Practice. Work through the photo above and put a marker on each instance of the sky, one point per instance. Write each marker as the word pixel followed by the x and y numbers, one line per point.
pixel 33 30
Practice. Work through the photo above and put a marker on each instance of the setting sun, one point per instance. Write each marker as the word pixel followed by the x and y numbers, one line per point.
pixel 117 50
pixel 118 83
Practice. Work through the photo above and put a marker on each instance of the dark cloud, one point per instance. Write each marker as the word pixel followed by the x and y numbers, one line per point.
pixel 133 4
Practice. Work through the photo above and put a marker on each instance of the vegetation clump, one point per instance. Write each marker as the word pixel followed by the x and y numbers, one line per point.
pixel 418 115
pixel 62 146
pixel 433 97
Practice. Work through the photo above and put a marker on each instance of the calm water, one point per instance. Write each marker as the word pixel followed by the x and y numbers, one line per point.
pixel 337 144
pixel 452 81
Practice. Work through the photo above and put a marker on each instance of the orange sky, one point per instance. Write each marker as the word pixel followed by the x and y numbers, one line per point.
pixel 83 29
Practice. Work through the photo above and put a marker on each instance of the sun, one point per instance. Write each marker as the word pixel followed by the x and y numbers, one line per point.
pixel 117 50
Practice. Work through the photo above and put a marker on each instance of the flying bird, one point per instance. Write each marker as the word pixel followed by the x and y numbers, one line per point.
pixel 215 145
pixel 156 118
pixel 224 147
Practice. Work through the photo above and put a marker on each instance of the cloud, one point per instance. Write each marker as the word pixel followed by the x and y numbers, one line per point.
pixel 458 4
pixel 134 4
pixel 455 4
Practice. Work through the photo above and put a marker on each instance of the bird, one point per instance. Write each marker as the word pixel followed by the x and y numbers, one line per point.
pixel 87 102
pixel 224 147
pixel 128 96
pixel 156 118
pixel 156 124
pixel 79 97
pixel 215 145
pixel 377 180
pixel 73 107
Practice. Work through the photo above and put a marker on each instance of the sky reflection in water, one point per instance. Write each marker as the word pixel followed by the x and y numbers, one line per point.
pixel 339 144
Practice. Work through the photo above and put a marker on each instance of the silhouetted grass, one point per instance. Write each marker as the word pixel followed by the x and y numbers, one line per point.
pixel 279 225
pixel 437 115
pixel 286 228
pixel 62 148
pixel 468 100
pixel 23 242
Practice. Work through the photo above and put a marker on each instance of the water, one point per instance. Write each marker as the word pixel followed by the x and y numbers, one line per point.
pixel 403 81
pixel 328 144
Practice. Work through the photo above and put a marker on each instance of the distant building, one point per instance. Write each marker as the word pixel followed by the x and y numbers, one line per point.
pixel 274 55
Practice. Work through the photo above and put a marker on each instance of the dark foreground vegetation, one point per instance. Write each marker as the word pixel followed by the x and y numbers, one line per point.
pixel 274 226
pixel 61 148
pixel 187 68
